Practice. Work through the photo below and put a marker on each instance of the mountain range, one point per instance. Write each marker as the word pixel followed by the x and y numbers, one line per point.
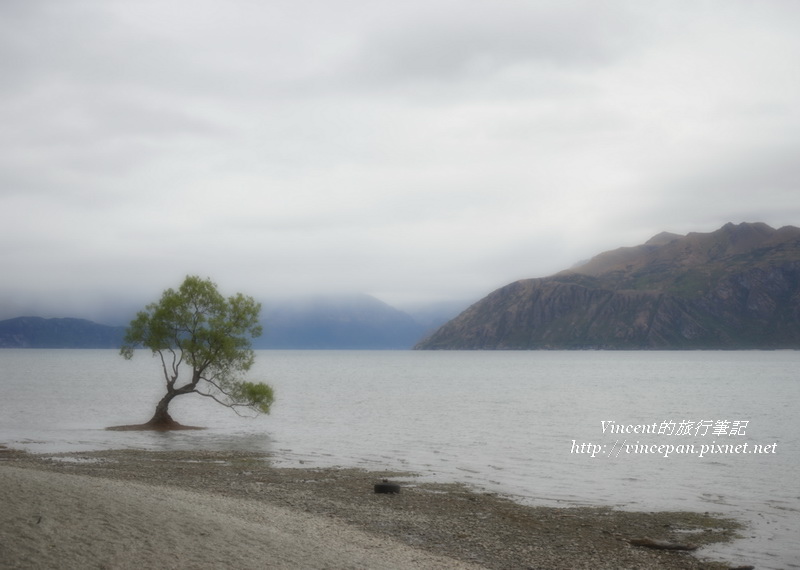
pixel 735 288
pixel 37 332
pixel 355 321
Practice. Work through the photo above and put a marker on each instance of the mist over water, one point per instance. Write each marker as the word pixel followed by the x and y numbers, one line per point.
pixel 511 422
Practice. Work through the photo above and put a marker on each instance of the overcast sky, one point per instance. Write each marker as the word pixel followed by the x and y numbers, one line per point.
pixel 415 150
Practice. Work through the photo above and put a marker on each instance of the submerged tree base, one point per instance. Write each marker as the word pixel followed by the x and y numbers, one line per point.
pixel 169 425
pixel 161 421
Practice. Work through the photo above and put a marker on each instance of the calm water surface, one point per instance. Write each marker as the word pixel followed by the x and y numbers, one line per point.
pixel 505 421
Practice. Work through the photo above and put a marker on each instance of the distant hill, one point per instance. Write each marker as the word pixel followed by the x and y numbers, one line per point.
pixel 337 322
pixel 323 322
pixel 734 288
pixel 36 332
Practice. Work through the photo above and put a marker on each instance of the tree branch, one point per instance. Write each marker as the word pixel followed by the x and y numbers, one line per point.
pixel 232 405
pixel 164 368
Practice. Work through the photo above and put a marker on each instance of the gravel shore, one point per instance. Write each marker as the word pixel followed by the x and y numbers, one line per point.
pixel 427 525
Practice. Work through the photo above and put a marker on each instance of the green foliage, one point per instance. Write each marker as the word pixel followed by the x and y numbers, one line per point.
pixel 260 396
pixel 198 329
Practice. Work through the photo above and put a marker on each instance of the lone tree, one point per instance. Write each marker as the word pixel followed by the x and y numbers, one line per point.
pixel 197 330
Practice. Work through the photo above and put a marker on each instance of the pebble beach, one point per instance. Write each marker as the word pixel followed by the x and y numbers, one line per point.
pixel 134 509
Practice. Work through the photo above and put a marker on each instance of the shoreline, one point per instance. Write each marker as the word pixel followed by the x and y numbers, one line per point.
pixel 436 525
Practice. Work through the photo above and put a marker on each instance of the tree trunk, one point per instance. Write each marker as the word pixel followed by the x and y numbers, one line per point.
pixel 161 418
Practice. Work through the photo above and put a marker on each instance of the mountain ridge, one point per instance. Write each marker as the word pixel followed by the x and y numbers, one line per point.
pixel 736 287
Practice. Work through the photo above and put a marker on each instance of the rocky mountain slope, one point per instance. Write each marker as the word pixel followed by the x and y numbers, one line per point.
pixel 734 288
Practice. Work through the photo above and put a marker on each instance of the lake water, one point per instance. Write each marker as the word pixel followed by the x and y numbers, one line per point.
pixel 521 423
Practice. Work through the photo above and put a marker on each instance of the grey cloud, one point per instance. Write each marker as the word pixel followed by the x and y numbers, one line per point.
pixel 412 149
pixel 471 42
pixel 753 183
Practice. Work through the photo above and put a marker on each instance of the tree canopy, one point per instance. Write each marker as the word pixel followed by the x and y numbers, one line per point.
pixel 197 330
